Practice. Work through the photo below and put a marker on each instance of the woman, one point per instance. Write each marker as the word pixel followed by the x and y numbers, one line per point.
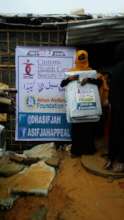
pixel 83 134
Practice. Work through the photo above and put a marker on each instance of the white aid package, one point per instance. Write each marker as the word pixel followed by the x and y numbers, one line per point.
pixel 82 102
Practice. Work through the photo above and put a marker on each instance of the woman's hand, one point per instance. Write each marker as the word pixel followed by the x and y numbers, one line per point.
pixel 84 81
pixel 68 80
pixel 93 81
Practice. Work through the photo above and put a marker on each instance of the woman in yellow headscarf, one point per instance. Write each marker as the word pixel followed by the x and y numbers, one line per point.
pixel 83 134
pixel 81 63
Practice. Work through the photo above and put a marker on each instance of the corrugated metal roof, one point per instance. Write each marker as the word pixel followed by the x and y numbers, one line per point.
pixel 32 20
pixel 98 30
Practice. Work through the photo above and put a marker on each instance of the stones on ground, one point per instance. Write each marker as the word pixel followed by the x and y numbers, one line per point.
pixel 16 157
pixel 21 158
pixel 7 203
pixel 35 180
pixel 42 151
pixel 54 162
pixel 9 168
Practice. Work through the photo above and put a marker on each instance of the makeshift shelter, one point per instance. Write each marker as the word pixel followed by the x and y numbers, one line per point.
pixel 99 36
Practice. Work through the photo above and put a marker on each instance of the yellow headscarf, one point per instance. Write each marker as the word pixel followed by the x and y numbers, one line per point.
pixel 81 62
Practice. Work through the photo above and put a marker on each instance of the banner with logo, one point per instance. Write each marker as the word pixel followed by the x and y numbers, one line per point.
pixel 40 110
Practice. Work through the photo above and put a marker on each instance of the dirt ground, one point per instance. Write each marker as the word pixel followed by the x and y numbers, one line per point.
pixel 75 195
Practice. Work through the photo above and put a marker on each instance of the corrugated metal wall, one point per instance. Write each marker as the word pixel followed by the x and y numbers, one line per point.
pixel 93 31
pixel 9 39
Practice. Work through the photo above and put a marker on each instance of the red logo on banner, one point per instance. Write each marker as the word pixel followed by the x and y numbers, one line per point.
pixel 28 70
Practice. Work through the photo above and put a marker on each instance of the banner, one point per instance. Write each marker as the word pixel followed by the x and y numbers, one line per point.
pixel 40 110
